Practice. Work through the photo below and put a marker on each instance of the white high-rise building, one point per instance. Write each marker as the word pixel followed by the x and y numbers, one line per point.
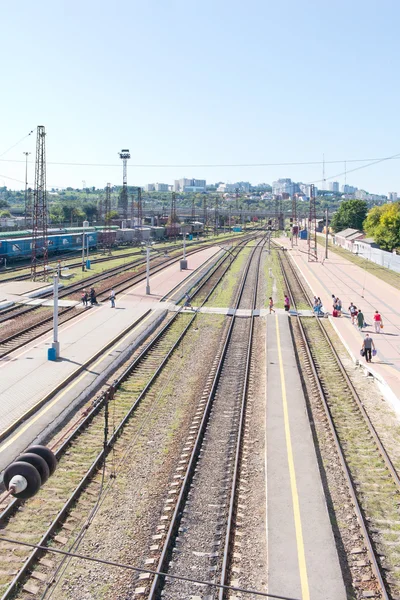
pixel 392 196
pixel 334 186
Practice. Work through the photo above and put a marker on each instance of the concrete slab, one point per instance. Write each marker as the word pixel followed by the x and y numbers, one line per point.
pixel 21 288
pixel 302 556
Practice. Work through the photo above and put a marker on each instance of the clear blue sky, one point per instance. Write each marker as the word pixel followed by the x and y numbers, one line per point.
pixel 212 82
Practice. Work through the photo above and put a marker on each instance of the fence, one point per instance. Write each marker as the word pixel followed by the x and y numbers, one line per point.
pixel 380 257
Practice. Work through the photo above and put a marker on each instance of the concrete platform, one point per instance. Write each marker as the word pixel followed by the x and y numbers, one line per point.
pixel 302 557
pixel 351 283
pixel 21 288
pixel 27 377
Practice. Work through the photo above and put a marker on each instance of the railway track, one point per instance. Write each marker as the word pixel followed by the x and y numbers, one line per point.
pixel 204 492
pixel 129 400
pixel 43 324
pixel 372 480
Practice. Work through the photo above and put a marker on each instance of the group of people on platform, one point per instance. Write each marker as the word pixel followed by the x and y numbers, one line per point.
pixel 91 297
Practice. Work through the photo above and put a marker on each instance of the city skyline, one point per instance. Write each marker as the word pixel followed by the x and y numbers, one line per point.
pixel 238 107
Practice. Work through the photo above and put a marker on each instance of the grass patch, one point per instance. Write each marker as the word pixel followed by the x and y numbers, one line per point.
pixel 390 277
pixel 224 295
pixel 271 262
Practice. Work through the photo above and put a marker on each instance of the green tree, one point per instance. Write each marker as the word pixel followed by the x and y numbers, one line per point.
pixel 386 229
pixel 351 213
pixel 373 219
pixel 113 214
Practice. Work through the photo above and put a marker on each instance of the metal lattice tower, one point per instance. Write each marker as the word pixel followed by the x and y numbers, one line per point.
pixel 107 219
pixel 123 197
pixel 172 217
pixel 39 216
pixel 193 210
pixel 312 228
pixel 205 214
pixel 216 216
pixel 139 213
pixel 294 217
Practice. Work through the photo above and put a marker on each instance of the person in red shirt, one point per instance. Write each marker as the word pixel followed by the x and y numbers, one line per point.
pixel 378 322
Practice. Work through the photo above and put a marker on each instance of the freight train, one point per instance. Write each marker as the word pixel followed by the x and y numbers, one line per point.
pixel 21 247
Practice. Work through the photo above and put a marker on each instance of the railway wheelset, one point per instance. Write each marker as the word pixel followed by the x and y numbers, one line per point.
pixel 24 477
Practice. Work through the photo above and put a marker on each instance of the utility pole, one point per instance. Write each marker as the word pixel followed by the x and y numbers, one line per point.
pixel 26 185
pixel 39 220
pixel 326 233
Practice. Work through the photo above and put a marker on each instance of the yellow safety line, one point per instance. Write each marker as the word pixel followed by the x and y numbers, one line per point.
pixel 73 384
pixel 292 475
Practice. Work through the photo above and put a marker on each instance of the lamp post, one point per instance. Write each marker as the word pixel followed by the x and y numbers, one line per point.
pixel 83 250
pixel 183 263
pixel 56 344
pixel 148 269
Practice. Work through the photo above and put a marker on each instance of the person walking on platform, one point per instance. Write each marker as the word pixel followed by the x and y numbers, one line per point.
pixel 367 346
pixel 352 311
pixel 286 303
pixel 112 298
pixel 339 306
pixel 360 320
pixel 271 305
pixel 378 322
pixel 187 301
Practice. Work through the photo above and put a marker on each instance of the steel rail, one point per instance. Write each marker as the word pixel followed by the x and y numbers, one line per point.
pixel 7 513
pixel 225 562
pixel 157 583
pixel 346 471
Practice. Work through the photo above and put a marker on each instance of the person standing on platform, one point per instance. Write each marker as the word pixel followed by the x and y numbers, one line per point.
pixel 93 299
pixel 271 305
pixel 378 322
pixel 112 298
pixel 339 306
pixel 367 346
pixel 286 303
pixel 360 320
pixel 85 298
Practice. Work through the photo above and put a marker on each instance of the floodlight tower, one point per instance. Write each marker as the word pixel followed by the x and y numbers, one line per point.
pixel 123 198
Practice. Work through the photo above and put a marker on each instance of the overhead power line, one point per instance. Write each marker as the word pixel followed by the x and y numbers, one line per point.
pixel 218 165
pixel 16 144
pixel 142 570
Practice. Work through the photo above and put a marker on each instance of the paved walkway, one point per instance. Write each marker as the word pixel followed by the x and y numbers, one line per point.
pixel 351 283
pixel 302 556
pixel 26 376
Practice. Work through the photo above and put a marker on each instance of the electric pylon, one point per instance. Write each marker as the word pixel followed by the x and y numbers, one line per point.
pixel 205 214
pixel 39 217
pixel 123 197
pixel 216 217
pixel 193 210
pixel 139 213
pixel 295 228
pixel 107 219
